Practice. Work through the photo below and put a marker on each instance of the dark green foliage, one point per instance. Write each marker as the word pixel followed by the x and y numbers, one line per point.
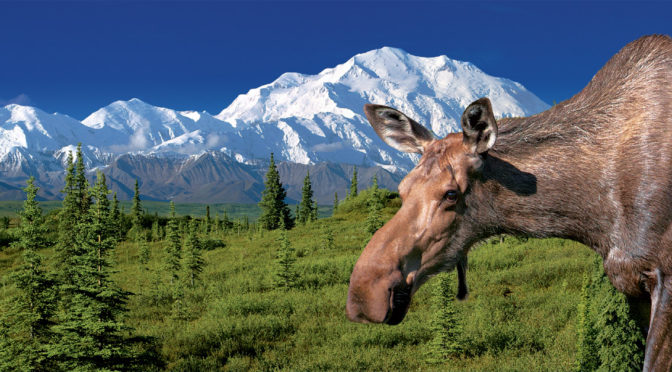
pixel 193 257
pixel 208 221
pixel 447 332
pixel 143 250
pixel 306 210
pixel 115 218
pixel 173 245
pixel 156 231
pixel 374 219
pixel 335 203
pixel 25 323
pixel 608 336
pixel 353 184
pixel 274 210
pixel 587 358
pixel 328 238
pixel 89 330
pixel 81 189
pixel 136 214
pixel 4 222
pixel 285 275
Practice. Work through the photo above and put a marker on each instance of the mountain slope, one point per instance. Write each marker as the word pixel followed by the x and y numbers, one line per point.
pixel 314 120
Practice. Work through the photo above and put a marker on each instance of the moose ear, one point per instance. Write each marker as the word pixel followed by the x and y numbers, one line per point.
pixel 397 129
pixel 479 126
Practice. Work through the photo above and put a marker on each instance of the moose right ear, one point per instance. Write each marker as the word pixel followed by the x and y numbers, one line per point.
pixel 397 129
pixel 479 126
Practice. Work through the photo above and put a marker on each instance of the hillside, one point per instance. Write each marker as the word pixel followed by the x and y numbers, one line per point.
pixel 521 313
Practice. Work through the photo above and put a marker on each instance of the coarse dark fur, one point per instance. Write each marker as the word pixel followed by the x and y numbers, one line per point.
pixel 596 168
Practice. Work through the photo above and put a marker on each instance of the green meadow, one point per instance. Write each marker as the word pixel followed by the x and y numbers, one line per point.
pixel 521 314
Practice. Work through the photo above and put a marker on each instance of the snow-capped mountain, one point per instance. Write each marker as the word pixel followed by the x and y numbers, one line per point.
pixel 305 119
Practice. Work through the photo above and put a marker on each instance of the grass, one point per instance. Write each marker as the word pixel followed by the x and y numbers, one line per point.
pixel 520 316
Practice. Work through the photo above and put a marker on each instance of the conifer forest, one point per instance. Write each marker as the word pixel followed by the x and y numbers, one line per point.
pixel 92 286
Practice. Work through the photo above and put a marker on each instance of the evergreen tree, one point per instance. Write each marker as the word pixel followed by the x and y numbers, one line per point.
pixel 217 227
pixel 587 358
pixel 173 246
pixel 374 219
pixel 25 323
pixel 621 342
pixel 143 250
pixel 353 184
pixel 285 276
pixel 89 329
pixel 274 210
pixel 609 338
pixel 81 189
pixel 193 257
pixel 115 218
pixel 446 329
pixel 4 222
pixel 335 203
pixel 306 209
pixel 314 211
pixel 68 216
pixel 136 213
pixel 208 221
pixel 156 231
pixel 329 239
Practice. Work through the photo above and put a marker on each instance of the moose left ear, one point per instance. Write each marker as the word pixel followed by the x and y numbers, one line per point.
pixel 479 126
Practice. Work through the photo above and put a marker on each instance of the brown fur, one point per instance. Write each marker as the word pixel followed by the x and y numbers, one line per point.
pixel 596 169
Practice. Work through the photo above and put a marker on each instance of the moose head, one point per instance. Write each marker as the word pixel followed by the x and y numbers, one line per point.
pixel 428 234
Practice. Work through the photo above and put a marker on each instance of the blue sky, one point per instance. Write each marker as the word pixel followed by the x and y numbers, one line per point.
pixel 75 57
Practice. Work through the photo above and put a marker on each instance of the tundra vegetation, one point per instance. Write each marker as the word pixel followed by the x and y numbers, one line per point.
pixel 87 287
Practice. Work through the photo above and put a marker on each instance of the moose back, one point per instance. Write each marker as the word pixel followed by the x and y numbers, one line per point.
pixel 596 168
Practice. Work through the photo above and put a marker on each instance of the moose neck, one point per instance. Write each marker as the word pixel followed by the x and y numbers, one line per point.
pixel 542 187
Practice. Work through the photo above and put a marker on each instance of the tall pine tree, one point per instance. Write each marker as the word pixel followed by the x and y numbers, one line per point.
pixel 274 210
pixel 446 329
pixel 136 213
pixel 285 274
pixel 193 257
pixel 374 219
pixel 89 328
pixel 25 323
pixel 353 184
pixel 306 209
pixel 173 246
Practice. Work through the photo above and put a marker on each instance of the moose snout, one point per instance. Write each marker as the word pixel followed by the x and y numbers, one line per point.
pixel 376 295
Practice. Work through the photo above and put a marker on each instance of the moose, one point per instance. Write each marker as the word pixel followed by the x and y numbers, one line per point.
pixel 596 169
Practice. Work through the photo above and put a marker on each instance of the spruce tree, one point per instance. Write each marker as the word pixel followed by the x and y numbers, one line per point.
pixel 173 246
pixel 208 221
pixel 353 184
pixel 608 336
pixel 306 209
pixel 587 358
pixel 329 239
pixel 136 213
pixel 335 203
pixel 193 257
pixel 446 329
pixel 274 210
pixel 115 218
pixel 374 219
pixel 143 250
pixel 89 329
pixel 620 339
pixel 156 231
pixel 285 275
pixel 81 184
pixel 25 323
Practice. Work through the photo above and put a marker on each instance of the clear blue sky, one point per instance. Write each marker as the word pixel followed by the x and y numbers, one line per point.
pixel 76 57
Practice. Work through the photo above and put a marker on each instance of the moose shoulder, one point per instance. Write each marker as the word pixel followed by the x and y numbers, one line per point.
pixel 596 169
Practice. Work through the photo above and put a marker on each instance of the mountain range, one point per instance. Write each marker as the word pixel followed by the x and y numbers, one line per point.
pixel 310 122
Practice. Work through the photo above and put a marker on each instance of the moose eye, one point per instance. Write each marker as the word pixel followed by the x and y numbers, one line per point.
pixel 451 195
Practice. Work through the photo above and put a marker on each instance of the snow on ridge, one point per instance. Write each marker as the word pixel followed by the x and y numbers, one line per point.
pixel 301 118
